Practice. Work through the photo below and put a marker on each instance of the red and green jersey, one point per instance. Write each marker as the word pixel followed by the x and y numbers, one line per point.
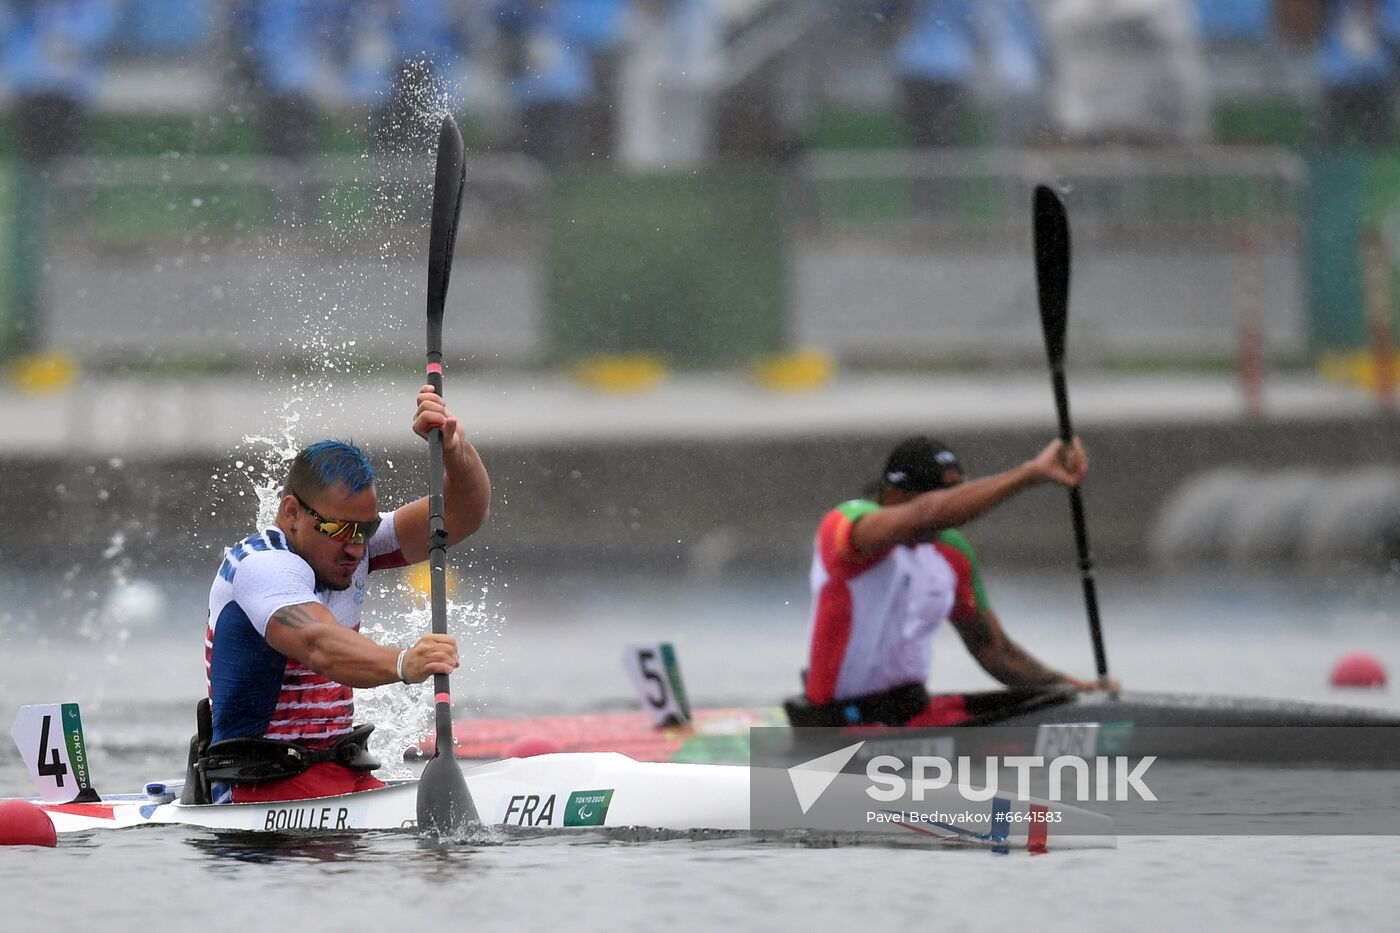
pixel 874 615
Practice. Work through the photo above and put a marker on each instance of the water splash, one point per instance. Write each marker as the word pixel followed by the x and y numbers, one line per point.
pixel 271 455
pixel 358 220
pixel 405 713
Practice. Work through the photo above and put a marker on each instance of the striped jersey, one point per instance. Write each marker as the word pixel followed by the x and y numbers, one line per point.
pixel 254 690
pixel 874 616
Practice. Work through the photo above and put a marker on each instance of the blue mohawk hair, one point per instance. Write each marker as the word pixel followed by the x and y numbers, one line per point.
pixel 329 463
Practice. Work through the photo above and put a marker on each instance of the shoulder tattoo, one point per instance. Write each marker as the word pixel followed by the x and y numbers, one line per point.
pixel 298 616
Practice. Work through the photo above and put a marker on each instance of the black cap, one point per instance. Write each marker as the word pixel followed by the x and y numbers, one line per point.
pixel 917 464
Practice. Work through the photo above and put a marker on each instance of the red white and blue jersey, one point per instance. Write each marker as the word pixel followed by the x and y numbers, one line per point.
pixel 874 616
pixel 254 690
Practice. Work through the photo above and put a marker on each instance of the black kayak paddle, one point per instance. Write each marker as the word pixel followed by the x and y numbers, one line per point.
pixel 445 806
pixel 1052 284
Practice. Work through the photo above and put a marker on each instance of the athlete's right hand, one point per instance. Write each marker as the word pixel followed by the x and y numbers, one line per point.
pixel 432 654
pixel 1062 463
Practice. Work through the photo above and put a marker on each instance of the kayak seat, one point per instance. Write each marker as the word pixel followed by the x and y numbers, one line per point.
pixel 197 789
pixel 911 704
pixel 253 760
pixel 893 707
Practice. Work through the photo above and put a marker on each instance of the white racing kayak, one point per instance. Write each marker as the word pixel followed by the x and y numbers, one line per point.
pixel 601 789
pixel 569 792
pixel 553 791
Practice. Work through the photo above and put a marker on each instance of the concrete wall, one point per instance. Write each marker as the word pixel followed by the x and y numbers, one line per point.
pixel 247 308
pixel 858 303
pixel 978 305
pixel 683 507
pixel 876 272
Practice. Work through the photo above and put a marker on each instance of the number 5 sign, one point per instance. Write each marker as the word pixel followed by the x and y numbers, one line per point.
pixel 656 676
pixel 50 739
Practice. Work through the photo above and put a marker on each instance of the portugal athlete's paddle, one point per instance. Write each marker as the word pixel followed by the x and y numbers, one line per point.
pixel 445 805
pixel 1052 284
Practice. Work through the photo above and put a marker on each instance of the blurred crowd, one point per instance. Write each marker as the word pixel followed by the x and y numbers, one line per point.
pixel 638 80
pixel 1087 71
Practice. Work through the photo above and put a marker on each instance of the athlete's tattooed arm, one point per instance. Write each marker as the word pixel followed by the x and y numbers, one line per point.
pixel 1001 657
pixel 309 633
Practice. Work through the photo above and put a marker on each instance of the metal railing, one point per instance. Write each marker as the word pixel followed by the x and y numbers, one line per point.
pixel 230 256
pixel 921 255
pixel 160 201
pixel 1119 198
pixel 894 256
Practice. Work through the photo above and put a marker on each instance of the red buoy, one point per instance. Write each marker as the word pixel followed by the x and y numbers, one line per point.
pixel 528 746
pixel 1358 669
pixel 24 824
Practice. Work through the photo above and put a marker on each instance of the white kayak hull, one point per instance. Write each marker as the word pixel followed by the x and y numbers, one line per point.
pixel 564 792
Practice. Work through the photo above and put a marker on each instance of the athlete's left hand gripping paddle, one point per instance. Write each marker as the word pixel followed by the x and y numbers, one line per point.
pixel 445 806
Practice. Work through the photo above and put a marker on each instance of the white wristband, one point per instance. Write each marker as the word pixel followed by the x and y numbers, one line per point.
pixel 399 666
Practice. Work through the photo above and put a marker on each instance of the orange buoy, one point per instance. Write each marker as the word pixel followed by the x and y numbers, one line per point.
pixel 24 824
pixel 1358 669
pixel 528 746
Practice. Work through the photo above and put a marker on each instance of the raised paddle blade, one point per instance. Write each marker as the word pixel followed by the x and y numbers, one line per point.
pixel 1052 270
pixel 1051 228
pixel 442 238
pixel 445 806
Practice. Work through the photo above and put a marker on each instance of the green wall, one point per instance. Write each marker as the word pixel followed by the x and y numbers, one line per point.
pixel 1347 193
pixel 688 265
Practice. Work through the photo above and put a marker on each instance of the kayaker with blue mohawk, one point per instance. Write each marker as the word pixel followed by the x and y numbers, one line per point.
pixel 283 650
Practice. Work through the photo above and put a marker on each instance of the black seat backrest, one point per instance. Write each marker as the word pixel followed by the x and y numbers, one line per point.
pixel 197 788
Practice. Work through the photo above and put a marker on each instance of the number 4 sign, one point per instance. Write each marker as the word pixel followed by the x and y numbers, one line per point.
pixel 50 739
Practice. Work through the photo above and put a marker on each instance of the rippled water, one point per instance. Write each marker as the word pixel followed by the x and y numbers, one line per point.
pixel 553 646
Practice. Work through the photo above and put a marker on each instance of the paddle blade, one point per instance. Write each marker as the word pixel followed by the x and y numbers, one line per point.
pixel 1052 270
pixel 445 807
pixel 442 238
